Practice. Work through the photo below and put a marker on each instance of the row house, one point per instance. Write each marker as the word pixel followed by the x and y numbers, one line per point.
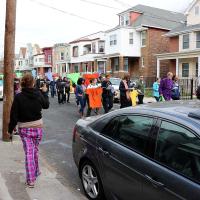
pixel 20 60
pixel 61 59
pixel 83 52
pixel 132 45
pixel 184 54
pixel 32 57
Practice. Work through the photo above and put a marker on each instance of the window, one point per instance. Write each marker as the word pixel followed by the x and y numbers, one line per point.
pixel 126 64
pixel 94 47
pixel 41 59
pixel 101 46
pixel 142 62
pixel 75 51
pixel 76 70
pixel 113 40
pixel 178 149
pixel 49 58
pixel 197 69
pixel 111 127
pixel 198 40
pixel 185 70
pixel 133 131
pixel 131 38
pixel 116 64
pixel 62 56
pixel 143 38
pixel 126 20
pixel 186 41
pixel 122 20
pixel 196 10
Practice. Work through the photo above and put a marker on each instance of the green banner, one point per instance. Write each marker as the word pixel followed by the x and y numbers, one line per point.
pixel 73 77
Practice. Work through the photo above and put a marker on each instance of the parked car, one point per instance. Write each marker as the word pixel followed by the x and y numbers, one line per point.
pixel 147 153
pixel 115 83
pixel 1 89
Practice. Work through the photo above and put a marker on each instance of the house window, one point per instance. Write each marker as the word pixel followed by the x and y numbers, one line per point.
pixel 131 38
pixel 61 56
pixel 76 69
pixel 126 64
pixel 41 59
pixel 49 58
pixel 113 40
pixel 186 41
pixel 185 70
pixel 196 10
pixel 101 46
pixel 122 20
pixel 94 47
pixel 197 69
pixel 143 38
pixel 126 20
pixel 198 39
pixel 116 64
pixel 75 51
pixel 142 62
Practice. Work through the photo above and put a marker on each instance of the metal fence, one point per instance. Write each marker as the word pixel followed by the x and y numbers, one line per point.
pixel 188 86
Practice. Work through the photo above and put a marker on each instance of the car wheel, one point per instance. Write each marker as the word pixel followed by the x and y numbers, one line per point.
pixel 91 181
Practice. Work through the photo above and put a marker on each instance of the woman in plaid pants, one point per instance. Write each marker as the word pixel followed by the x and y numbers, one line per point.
pixel 26 113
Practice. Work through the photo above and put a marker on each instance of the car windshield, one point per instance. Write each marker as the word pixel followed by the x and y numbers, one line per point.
pixel 115 81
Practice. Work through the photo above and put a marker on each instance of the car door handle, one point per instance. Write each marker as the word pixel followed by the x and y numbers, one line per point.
pixel 106 153
pixel 154 182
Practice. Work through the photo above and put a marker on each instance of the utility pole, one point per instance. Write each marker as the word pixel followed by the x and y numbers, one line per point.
pixel 9 59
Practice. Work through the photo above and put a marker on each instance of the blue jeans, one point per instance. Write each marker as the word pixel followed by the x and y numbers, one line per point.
pixel 82 102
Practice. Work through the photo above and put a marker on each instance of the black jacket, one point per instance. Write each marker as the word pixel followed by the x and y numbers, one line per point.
pixel 27 107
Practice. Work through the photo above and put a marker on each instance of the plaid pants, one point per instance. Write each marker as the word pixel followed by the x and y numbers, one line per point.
pixel 31 138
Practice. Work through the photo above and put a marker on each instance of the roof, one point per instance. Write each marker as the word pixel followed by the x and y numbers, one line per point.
pixel 156 17
pixel 183 29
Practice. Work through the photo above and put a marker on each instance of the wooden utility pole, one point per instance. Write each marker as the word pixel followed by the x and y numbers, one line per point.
pixel 9 59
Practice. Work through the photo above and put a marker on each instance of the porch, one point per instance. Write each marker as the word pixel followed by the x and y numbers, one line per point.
pixel 183 64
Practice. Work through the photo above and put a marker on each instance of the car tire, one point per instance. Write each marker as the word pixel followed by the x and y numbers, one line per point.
pixel 91 181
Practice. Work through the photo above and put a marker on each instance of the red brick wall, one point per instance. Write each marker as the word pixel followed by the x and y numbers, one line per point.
pixel 156 44
pixel 174 44
pixel 47 52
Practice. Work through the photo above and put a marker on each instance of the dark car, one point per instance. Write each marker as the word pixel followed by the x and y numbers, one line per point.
pixel 147 153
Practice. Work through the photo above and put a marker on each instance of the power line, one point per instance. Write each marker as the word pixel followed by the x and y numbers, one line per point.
pixel 99 4
pixel 69 13
pixel 122 3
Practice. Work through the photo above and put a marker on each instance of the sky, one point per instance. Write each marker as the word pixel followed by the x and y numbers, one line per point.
pixel 39 23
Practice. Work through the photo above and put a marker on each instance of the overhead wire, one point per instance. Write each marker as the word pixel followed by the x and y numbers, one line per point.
pixel 69 13
pixel 100 4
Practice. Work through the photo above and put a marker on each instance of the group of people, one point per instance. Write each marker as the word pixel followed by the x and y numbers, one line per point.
pixel 167 89
pixel 104 96
pixel 59 87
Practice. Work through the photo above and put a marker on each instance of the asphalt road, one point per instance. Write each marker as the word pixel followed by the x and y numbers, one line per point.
pixel 56 145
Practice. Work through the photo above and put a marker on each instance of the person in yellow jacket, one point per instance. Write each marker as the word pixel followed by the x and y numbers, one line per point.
pixel 133 94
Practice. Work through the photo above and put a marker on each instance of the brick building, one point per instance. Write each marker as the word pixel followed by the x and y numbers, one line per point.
pixel 183 57
pixel 132 45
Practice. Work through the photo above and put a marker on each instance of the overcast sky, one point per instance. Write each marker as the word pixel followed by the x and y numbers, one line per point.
pixel 45 26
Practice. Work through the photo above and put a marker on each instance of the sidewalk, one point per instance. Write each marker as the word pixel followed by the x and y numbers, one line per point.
pixel 12 177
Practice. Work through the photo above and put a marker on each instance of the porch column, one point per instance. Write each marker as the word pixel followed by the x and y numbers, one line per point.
pixel 108 66
pixel 198 66
pixel 177 67
pixel 158 68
